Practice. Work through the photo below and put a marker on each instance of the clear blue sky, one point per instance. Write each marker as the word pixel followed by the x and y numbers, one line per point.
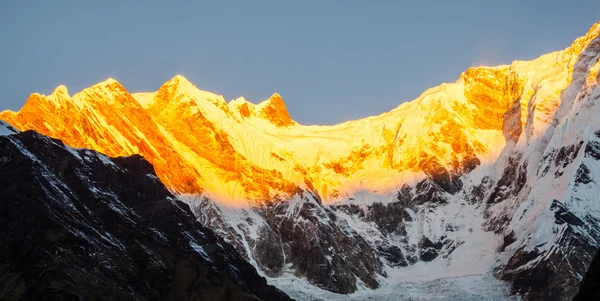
pixel 330 60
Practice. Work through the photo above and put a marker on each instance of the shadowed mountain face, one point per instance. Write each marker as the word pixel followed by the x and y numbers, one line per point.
pixel 590 285
pixel 77 225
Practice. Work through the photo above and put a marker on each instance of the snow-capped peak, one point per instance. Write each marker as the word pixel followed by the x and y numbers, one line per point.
pixel 60 91
pixel 274 110
pixel 179 80
pixel 179 88
pixel 107 82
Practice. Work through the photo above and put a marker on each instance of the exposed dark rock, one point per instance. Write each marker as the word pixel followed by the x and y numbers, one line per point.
pixel 521 179
pixel 542 274
pixel 303 234
pixel 563 216
pixel 77 225
pixel 592 149
pixel 507 241
pixel 583 175
pixel 448 181
pixel 351 209
pixel 269 253
pixel 392 254
pixel 388 218
pixel 328 253
pixel 468 165
pixel 566 154
pixel 429 250
pixel 511 122
pixel 512 181
pixel 478 192
pixel 546 162
pixel 211 217
pixel 426 192
pixel 589 288
pixel 315 241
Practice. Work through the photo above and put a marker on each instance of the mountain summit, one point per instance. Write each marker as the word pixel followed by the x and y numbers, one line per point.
pixel 275 111
pixel 494 173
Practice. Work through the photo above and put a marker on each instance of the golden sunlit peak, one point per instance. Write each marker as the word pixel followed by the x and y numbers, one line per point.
pixel 179 79
pixel 594 30
pixel 276 101
pixel 108 81
pixel 60 90
pixel 179 82
pixel 276 96
pixel 240 101
pixel 274 110
pixel 110 84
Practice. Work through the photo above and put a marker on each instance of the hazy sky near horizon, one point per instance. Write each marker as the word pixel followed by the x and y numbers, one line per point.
pixel 331 61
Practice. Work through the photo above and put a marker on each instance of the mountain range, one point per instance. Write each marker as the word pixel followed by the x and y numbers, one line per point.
pixel 494 174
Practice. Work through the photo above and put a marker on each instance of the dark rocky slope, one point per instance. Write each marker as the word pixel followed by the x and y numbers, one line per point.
pixel 590 285
pixel 77 225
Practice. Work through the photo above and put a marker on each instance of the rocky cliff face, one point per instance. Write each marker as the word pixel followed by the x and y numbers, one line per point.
pixel 78 225
pixel 495 172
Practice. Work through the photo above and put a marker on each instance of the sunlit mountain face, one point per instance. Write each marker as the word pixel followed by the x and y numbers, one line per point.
pixel 238 151
pixel 495 175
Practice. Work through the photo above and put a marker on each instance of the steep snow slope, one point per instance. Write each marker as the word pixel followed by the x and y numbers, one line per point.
pixel 500 166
